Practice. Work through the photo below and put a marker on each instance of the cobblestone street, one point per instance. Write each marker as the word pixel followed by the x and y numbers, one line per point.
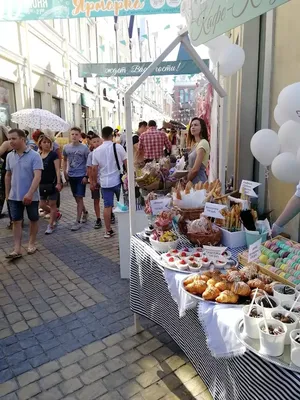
pixel 66 328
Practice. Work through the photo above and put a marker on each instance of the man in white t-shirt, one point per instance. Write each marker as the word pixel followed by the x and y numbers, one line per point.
pixel 107 173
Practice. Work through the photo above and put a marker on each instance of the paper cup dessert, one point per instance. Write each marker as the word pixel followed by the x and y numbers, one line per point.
pixel 166 256
pixel 272 341
pixel 295 346
pixel 290 320
pixel 284 292
pixel 197 254
pixel 287 305
pixel 262 301
pixel 184 254
pixel 220 262
pixel 194 266
pixel 251 322
pixel 182 265
pixel 171 261
pixel 297 288
pixel 205 261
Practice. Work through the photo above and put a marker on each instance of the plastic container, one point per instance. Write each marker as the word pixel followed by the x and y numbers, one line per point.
pixel 163 247
pixel 271 345
pixel 233 239
pixel 268 310
pixel 289 327
pixel 250 323
pixel 295 347
pixel 281 296
pixel 254 236
pixel 287 305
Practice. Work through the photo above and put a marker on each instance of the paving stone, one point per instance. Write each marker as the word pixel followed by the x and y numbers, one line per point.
pixel 174 362
pixel 71 371
pixel 8 387
pixel 111 396
pixel 5 333
pixel 114 364
pixel 114 380
pixel 11 396
pixel 131 371
pixel 34 322
pixel 29 342
pixel 93 348
pixel 113 351
pixel 21 367
pixel 30 314
pixel 94 374
pixel 19 326
pixel 27 392
pixel 50 381
pixel 151 376
pixel 147 362
pixel 12 349
pixel 72 358
pixel 93 360
pixel 150 346
pixel 27 378
pixel 155 392
pixel 51 394
pixel 162 353
pixel 130 389
pixel 70 386
pixel 195 386
pixel 16 358
pixel 56 353
pixel 10 308
pixel 113 339
pixel 131 356
pixel 6 374
pixel 48 368
pixel 39 360
pixel 129 344
pixel 143 336
pixel 92 391
pixel 34 351
pixel 171 381
pixel 185 373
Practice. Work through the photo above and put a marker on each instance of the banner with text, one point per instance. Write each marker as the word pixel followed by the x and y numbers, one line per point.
pixel 26 10
pixel 207 19
pixel 136 69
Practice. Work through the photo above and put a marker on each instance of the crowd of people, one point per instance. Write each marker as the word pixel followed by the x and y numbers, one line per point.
pixel 33 172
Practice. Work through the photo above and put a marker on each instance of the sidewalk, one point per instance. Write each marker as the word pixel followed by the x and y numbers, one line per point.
pixel 66 325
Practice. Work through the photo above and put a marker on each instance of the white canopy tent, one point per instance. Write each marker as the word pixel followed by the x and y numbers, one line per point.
pixel 181 38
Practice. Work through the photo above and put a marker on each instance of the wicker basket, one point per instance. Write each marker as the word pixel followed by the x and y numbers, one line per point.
pixel 213 238
pixel 190 214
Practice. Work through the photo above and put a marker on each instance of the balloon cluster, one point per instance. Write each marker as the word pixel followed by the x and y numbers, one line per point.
pixel 282 150
pixel 230 57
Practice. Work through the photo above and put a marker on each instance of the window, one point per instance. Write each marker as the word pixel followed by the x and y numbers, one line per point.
pixel 181 95
pixel 7 102
pixel 78 36
pixel 192 93
pixel 56 106
pixel 37 100
pixel 186 95
pixel 100 49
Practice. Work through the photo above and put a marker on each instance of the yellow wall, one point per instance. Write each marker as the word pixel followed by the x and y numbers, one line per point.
pixel 286 71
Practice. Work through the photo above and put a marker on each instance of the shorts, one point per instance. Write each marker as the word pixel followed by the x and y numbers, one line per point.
pixel 78 188
pixel 95 194
pixel 16 209
pixel 108 195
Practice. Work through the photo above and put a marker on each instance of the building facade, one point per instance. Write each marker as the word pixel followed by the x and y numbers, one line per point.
pixel 184 99
pixel 39 68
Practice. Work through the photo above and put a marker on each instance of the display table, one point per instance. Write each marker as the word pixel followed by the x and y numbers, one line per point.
pixel 238 378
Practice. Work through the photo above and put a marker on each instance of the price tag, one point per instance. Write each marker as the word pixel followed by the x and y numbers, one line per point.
pixel 214 252
pixel 160 205
pixel 247 188
pixel 254 251
pixel 213 210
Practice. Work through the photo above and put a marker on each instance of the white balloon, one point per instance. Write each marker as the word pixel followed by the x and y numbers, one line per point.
pixel 289 137
pixel 265 146
pixel 289 101
pixel 231 59
pixel 280 116
pixel 218 43
pixel 285 168
pixel 213 55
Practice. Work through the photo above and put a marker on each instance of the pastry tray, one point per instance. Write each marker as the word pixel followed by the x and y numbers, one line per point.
pixel 253 345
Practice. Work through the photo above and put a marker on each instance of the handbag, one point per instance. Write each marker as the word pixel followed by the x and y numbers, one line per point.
pixel 118 164
pixel 47 189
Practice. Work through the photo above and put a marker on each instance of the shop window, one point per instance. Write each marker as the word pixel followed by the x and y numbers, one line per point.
pixel 181 95
pixel 56 108
pixel 37 99
pixel 186 96
pixel 7 102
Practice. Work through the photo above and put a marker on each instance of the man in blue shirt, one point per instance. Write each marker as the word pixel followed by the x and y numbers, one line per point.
pixel 75 171
pixel 24 167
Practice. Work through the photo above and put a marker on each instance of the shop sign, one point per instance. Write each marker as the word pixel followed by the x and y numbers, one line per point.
pixel 207 19
pixel 136 69
pixel 25 10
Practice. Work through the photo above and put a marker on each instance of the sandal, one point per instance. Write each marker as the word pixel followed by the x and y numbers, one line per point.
pixel 31 250
pixel 13 255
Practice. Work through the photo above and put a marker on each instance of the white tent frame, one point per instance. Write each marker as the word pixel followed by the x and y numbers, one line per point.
pixel 181 38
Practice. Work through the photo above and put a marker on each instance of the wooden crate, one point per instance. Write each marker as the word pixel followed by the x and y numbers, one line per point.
pixel 243 260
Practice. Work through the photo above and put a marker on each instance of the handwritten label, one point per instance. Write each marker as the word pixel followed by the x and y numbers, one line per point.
pixel 247 188
pixel 254 251
pixel 160 205
pixel 214 252
pixel 213 210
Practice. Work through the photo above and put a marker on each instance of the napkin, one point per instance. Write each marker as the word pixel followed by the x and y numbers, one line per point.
pixel 219 321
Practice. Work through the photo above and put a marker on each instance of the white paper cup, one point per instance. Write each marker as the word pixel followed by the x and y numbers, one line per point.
pixel 271 345
pixel 288 304
pixel 282 296
pixel 295 348
pixel 250 323
pixel 268 310
pixel 289 327
pixel 297 288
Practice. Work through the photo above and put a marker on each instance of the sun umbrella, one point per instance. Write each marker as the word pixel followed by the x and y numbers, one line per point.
pixel 40 119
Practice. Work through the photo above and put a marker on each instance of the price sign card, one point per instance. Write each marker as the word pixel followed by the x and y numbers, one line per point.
pixel 254 251
pixel 214 252
pixel 160 205
pixel 213 210
pixel 247 188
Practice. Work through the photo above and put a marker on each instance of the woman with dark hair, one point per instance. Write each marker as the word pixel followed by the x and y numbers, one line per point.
pixel 197 141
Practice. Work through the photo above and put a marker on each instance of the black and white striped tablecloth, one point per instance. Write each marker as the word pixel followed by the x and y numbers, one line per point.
pixel 247 377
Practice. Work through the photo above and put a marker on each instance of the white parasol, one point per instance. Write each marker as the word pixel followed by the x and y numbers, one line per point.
pixel 40 119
